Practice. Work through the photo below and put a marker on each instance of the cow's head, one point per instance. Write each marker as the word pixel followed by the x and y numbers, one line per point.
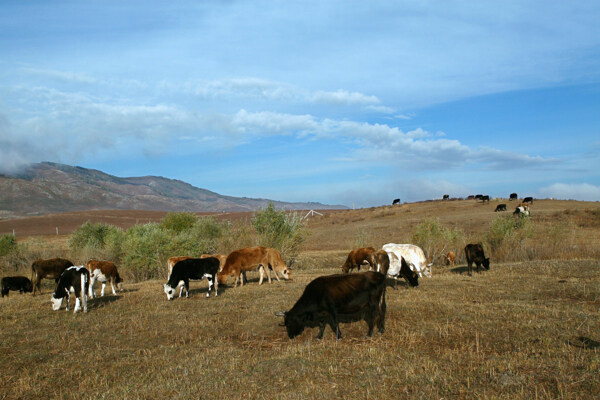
pixel 56 303
pixel 28 287
pixel 486 263
pixel 427 270
pixel 119 282
pixel 170 291
pixel 292 322
pixel 286 273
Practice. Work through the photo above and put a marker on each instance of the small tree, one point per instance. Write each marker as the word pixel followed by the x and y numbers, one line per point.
pixel 8 244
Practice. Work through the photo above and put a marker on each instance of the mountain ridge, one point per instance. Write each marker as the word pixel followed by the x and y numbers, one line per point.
pixel 46 187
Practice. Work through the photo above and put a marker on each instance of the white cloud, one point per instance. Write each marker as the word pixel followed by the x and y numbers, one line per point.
pixel 570 191
pixel 343 97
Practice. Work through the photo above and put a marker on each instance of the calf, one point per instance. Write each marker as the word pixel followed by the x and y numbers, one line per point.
pixel 72 280
pixel 339 298
pixel 450 258
pixel 265 259
pixel 522 211
pixel 193 269
pixel 358 257
pixel 474 254
pixel 500 207
pixel 20 283
pixel 104 271
pixel 51 268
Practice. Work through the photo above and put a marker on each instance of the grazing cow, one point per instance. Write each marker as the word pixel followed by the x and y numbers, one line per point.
pixel 522 211
pixel 478 196
pixel 103 271
pixel 20 283
pixel 72 280
pixel 414 256
pixel 500 207
pixel 474 254
pixel 174 260
pixel 450 258
pixel 329 300
pixel 485 198
pixel 471 197
pixel 51 268
pixel 193 269
pixel 528 200
pixel 262 258
pixel 383 261
pixel 396 201
pixel 513 196
pixel 446 197
pixel 358 257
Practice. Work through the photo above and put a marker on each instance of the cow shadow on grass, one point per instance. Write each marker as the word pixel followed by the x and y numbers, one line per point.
pixel 101 301
pixel 399 283
pixel 461 270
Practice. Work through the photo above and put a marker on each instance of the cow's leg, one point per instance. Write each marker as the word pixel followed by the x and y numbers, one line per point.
pixel 91 288
pixel 216 283
pixel 102 291
pixel 186 283
pixel 470 265
pixel 113 286
pixel 322 326
pixel 181 284
pixel 68 299
pixel 261 270
pixel 237 276
pixel 77 303
pixel 210 284
pixel 265 269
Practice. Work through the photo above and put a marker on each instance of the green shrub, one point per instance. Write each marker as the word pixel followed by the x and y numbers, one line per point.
pixel 179 221
pixel 507 237
pixel 99 241
pixel 283 231
pixel 8 244
pixel 436 239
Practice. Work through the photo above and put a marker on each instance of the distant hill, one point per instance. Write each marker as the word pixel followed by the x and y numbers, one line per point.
pixel 46 188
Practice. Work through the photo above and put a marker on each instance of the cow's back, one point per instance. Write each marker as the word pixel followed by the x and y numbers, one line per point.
pixel 474 252
pixel 52 267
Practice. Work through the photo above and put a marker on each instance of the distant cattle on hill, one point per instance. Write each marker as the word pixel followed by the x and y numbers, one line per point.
pixel 528 200
pixel 396 201
pixel 513 196
pixel 485 198
pixel 446 197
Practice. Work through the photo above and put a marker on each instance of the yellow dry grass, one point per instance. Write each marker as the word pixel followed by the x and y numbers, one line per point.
pixel 522 330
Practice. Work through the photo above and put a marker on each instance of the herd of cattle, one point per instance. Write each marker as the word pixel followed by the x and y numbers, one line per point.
pixel 327 300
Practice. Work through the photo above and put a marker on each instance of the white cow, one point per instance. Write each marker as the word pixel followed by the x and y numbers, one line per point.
pixel 413 255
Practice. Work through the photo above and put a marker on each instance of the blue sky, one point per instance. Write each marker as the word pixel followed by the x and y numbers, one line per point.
pixel 341 102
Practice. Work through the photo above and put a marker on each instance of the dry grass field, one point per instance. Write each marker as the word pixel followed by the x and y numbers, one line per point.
pixel 525 329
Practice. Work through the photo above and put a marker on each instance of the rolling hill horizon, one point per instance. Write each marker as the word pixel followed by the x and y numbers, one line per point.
pixel 46 188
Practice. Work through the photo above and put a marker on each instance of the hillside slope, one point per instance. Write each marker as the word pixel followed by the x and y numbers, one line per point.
pixel 53 188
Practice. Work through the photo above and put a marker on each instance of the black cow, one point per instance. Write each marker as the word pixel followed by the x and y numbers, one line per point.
pixel 446 197
pixel 396 201
pixel 513 196
pixel 500 207
pixel 51 268
pixel 478 196
pixel 474 254
pixel 339 298
pixel 72 280
pixel 193 269
pixel 20 283
pixel 528 200
pixel 485 198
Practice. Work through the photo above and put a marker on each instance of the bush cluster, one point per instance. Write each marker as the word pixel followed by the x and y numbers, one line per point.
pixel 142 250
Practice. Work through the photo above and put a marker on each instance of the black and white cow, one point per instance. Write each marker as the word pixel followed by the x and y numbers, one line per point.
pixel 193 269
pixel 329 300
pixel 20 283
pixel 72 280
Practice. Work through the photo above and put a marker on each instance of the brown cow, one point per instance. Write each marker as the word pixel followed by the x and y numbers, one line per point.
pixel 474 254
pixel 103 271
pixel 251 258
pixel 383 261
pixel 51 268
pixel 358 257
pixel 450 258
